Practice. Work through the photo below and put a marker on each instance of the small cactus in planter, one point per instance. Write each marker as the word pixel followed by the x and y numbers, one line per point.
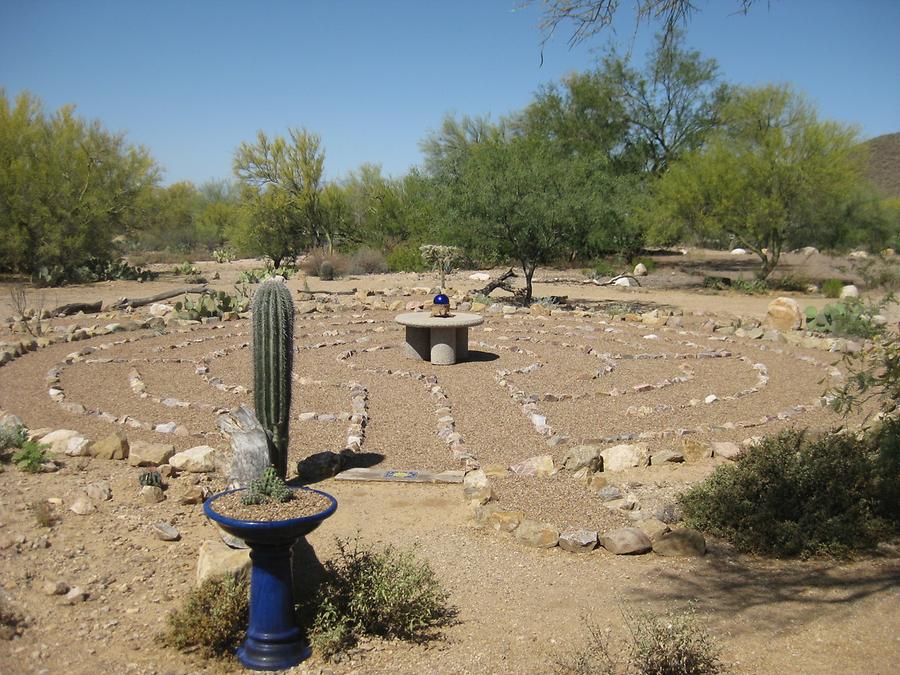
pixel 268 487
pixel 152 478
pixel 273 360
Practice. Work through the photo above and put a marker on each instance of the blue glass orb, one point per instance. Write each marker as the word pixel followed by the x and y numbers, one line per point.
pixel 441 299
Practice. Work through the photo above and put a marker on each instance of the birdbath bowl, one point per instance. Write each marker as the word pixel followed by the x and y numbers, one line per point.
pixel 274 640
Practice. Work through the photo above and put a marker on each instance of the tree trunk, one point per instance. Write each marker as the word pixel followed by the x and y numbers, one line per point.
pixel 529 274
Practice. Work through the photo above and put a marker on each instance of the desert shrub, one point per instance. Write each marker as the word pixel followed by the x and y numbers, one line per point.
pixel 44 514
pixel 223 255
pixel 185 269
pixel 12 436
pixel 312 263
pixel 213 618
pixel 748 286
pixel 873 373
pixel 831 288
pixel 789 283
pixel 603 268
pixel 849 318
pixel 406 257
pixel 792 496
pixel 880 273
pixel 368 261
pixel 30 456
pixel 671 643
pixel 483 299
pixel 12 621
pixel 384 592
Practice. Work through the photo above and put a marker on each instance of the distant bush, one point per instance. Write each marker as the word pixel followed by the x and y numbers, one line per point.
pixel 792 496
pixel 789 283
pixel 850 317
pixel 672 643
pixel 831 288
pixel 603 268
pixel 312 263
pixel 12 436
pixel 213 618
pixel 748 286
pixel 370 592
pixel 368 261
pixel 223 255
pixel 406 257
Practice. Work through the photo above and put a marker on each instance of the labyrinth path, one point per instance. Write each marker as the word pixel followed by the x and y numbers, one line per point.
pixel 532 386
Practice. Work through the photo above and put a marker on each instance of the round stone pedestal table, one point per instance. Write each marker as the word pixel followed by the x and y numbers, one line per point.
pixel 443 340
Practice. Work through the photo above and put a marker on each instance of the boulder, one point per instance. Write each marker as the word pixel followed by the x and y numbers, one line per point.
pixel 784 314
pixel 626 541
pixel 666 457
pixel 540 465
pixel 683 542
pixel 640 270
pixel 152 494
pixel 726 450
pixel 199 459
pixel 505 521
pixel 625 456
pixel 82 505
pixel 538 309
pixel 653 528
pixel 99 492
pixel 78 446
pixel 217 559
pixel 141 453
pixel 578 541
pixel 849 291
pixel 114 446
pixel 165 531
pixel 583 456
pixel 480 276
pixel 319 466
pixel 538 535
pixel 625 281
pixel 58 440
pixel 477 487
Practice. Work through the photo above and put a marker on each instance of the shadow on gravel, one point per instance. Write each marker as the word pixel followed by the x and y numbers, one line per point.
pixel 481 357
pixel 796 591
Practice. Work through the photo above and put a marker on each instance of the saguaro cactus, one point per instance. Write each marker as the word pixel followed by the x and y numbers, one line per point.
pixel 273 361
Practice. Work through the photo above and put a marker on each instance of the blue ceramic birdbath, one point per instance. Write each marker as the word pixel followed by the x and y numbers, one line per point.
pixel 274 640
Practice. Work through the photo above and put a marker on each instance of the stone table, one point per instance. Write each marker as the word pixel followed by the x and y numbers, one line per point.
pixel 441 340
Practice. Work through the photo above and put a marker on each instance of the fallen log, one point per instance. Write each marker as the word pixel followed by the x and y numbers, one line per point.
pixel 122 303
pixel 75 307
pixel 499 282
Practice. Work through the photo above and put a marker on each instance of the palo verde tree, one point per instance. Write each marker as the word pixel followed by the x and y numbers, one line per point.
pixel 281 185
pixel 516 198
pixel 772 172
pixel 68 187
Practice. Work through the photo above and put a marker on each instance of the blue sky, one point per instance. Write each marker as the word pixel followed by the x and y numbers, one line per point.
pixel 191 80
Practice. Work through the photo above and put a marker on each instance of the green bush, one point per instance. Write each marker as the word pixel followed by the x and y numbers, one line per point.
pixel 603 268
pixel 30 457
pixel 789 283
pixel 831 288
pixel 850 317
pixel 406 257
pixel 792 496
pixel 671 643
pixel 213 618
pixel 368 592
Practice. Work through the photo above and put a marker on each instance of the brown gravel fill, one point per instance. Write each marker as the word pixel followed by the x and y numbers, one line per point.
pixel 305 503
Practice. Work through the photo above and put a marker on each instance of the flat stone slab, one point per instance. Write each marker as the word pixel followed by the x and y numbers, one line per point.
pixel 425 320
pixel 395 476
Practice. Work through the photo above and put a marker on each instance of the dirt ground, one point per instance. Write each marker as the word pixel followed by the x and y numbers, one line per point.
pixel 520 610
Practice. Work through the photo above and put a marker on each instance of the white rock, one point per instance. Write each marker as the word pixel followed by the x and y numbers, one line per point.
pixel 78 446
pixel 738 251
pixel 849 291
pixel 858 255
pixel 480 276
pixel 726 449
pixel 160 309
pixel 625 456
pixel 625 281
pixel 82 506
pixel 199 459
pixel 640 270
pixel 712 398
pixel 784 314
pixel 58 440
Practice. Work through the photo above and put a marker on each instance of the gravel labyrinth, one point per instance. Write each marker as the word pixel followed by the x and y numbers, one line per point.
pixel 532 386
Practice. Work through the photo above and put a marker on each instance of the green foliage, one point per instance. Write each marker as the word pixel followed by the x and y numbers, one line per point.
pixel 368 261
pixel 30 456
pixel 151 478
pixel 671 643
pixel 223 255
pixel 213 304
pixel 405 257
pixel 12 436
pixel 748 286
pixel 364 591
pixel 281 188
pixel 831 288
pixel 603 268
pixel 268 487
pixel 792 496
pixel 773 174
pixel 68 188
pixel 254 276
pixel 213 618
pixel 186 269
pixel 849 318
pixel 873 373
pixel 273 360
pixel 789 283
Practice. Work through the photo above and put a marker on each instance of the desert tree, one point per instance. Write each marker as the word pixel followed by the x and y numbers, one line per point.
pixel 771 172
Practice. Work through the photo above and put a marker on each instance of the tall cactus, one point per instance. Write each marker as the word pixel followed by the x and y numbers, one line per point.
pixel 273 361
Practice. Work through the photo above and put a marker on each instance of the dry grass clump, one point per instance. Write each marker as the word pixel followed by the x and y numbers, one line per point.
pixel 672 643
pixel 213 618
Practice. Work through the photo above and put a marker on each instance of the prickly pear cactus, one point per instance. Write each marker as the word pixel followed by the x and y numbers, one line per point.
pixel 273 360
